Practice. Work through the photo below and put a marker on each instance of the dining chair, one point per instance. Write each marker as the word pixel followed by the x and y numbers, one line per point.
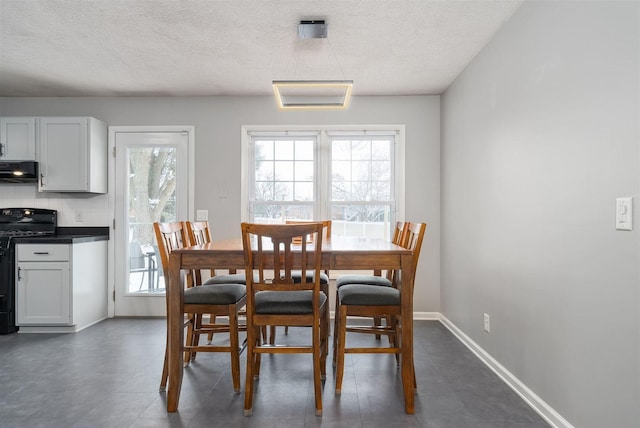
pixel 387 280
pixel 217 299
pixel 274 298
pixel 199 234
pixel 366 300
pixel 376 279
pixel 324 276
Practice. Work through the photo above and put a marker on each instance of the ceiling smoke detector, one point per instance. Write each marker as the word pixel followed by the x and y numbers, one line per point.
pixel 316 29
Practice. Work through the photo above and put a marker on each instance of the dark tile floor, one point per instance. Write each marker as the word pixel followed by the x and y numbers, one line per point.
pixel 108 376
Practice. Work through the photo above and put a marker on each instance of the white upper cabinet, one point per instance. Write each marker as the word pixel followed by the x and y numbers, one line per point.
pixel 72 154
pixel 17 138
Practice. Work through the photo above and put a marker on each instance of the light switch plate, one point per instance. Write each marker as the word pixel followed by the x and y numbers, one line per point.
pixel 624 213
pixel 202 215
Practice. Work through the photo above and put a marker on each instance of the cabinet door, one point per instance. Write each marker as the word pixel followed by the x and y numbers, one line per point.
pixel 17 138
pixel 43 294
pixel 63 150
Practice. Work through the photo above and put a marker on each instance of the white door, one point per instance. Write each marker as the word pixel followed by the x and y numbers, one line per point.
pixel 151 184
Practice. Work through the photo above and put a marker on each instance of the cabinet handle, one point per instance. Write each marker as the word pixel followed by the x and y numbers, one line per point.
pixel 1 149
pixel 19 274
pixel 41 180
pixel 41 253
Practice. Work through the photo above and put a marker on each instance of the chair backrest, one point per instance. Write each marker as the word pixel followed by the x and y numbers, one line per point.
pixel 398 233
pixel 398 238
pixel 326 226
pixel 413 236
pixel 170 236
pixel 199 232
pixel 270 247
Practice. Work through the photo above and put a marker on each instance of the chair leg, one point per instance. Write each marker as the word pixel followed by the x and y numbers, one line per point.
pixel 212 320
pixel 342 336
pixel 141 282
pixel 248 387
pixel 191 336
pixel 256 370
pixel 317 369
pixel 324 341
pixel 272 335
pixel 235 348
pixel 377 321
pixel 165 367
pixel 336 317
pixel 394 340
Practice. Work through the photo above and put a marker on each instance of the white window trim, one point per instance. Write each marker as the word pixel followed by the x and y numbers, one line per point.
pixel 324 131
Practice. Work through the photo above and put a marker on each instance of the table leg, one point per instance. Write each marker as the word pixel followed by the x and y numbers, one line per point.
pixel 175 332
pixel 406 333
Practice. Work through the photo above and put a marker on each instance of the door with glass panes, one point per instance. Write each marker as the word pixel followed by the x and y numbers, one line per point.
pixel 151 185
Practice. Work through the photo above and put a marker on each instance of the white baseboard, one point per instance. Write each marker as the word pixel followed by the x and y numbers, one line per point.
pixel 57 328
pixel 530 397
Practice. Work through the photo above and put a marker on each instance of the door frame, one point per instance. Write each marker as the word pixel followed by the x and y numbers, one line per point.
pixel 190 130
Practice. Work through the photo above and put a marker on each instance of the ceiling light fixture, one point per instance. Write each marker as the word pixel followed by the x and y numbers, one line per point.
pixel 313 94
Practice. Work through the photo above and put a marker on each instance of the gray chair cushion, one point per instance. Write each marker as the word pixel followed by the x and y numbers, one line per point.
pixel 368 295
pixel 286 302
pixel 236 278
pixel 297 276
pixel 214 294
pixel 363 279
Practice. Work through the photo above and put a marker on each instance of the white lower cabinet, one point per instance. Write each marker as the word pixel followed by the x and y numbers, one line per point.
pixel 43 294
pixel 60 287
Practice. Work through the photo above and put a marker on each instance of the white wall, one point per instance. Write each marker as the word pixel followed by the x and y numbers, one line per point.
pixel 217 122
pixel 540 134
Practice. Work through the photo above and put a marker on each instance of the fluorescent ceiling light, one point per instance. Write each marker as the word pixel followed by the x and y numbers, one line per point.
pixel 312 94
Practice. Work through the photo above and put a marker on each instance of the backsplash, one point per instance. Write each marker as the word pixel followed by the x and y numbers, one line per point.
pixel 74 209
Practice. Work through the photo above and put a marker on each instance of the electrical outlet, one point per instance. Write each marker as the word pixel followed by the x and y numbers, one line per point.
pixel 487 323
pixel 79 217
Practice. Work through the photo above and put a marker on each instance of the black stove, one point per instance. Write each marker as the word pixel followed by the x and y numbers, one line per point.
pixel 16 223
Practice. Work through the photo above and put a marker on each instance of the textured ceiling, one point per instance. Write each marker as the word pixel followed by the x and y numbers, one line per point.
pixel 237 47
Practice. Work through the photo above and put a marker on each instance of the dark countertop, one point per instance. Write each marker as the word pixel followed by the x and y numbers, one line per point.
pixel 68 235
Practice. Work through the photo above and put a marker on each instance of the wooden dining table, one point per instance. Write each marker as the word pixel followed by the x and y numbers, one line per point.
pixel 339 253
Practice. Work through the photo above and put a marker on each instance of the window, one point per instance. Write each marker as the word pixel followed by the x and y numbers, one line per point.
pixel 348 176
pixel 284 178
pixel 362 192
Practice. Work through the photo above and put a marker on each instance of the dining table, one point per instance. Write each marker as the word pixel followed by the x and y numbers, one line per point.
pixel 338 254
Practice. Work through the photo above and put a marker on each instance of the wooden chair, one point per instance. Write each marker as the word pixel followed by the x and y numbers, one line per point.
pixel 199 234
pixel 324 276
pixel 364 300
pixel 281 300
pixel 376 279
pixel 216 299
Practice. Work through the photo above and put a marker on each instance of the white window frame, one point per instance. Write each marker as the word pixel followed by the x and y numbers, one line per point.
pixel 323 160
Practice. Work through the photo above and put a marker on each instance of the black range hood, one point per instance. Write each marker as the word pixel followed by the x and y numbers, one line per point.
pixel 18 171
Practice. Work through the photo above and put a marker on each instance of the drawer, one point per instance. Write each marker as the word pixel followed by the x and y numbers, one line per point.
pixel 42 252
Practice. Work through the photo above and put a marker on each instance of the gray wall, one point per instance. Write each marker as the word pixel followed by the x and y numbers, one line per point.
pixel 540 134
pixel 217 122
